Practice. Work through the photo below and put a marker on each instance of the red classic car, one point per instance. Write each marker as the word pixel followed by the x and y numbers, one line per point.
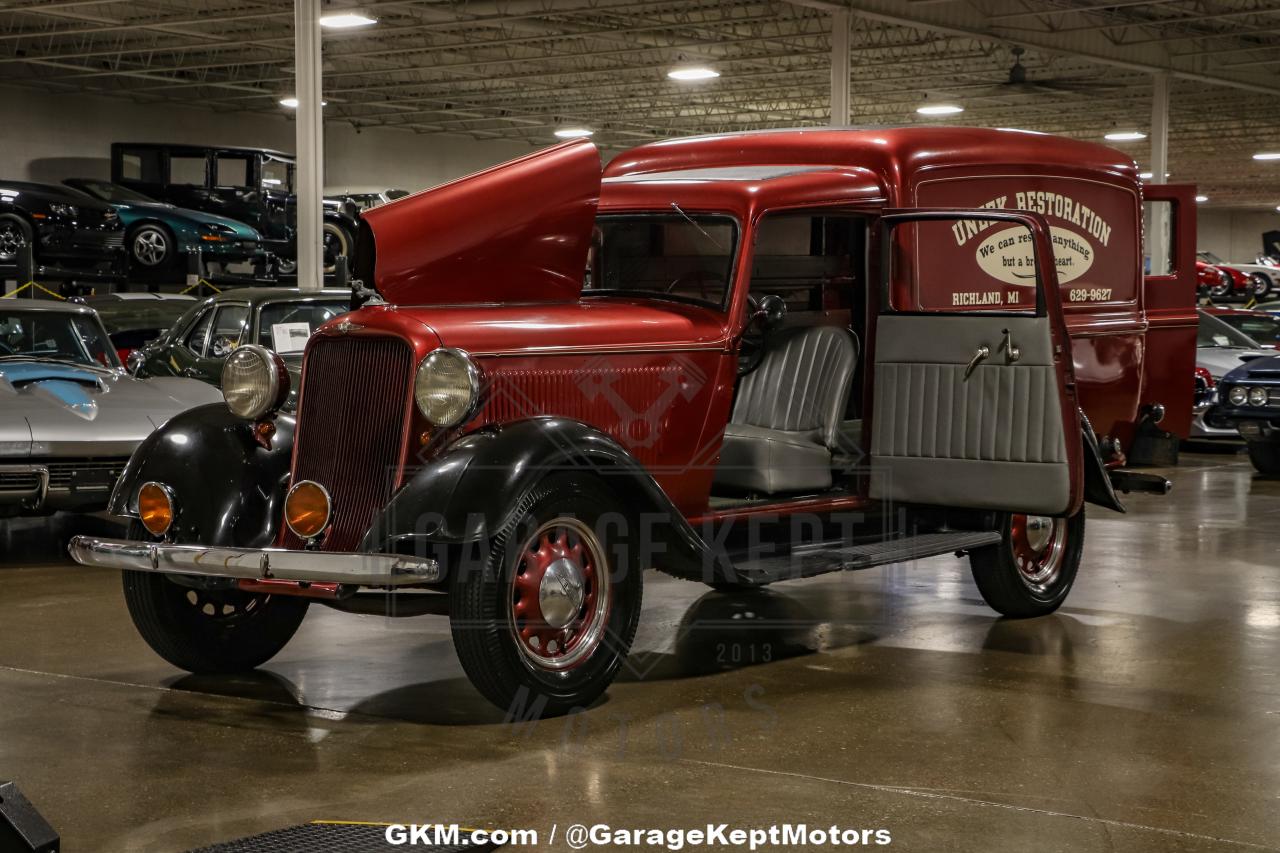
pixel 737 359
pixel 1223 282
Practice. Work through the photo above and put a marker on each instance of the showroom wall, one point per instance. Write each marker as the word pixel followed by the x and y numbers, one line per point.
pixel 1234 235
pixel 49 137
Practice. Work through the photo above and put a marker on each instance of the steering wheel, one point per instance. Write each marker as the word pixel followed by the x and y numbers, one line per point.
pixel 701 278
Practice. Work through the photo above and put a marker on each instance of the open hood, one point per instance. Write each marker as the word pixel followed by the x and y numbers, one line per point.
pixel 518 232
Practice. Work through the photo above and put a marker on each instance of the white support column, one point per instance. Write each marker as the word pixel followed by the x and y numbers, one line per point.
pixel 1159 238
pixel 840 68
pixel 309 180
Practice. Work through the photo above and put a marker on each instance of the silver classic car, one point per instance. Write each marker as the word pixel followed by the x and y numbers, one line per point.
pixel 70 416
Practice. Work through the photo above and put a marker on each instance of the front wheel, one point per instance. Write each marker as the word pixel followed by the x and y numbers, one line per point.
pixel 209 631
pixel 1259 285
pixel 1031 570
pixel 543 627
pixel 1265 456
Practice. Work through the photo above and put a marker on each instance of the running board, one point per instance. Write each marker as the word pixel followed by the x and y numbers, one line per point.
pixel 808 561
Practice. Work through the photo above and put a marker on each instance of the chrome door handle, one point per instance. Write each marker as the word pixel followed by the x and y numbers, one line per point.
pixel 1011 351
pixel 980 356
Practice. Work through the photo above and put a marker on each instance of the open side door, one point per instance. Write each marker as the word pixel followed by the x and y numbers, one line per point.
pixel 1169 298
pixel 974 401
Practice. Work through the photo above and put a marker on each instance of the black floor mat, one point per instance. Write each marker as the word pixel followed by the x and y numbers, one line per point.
pixel 329 838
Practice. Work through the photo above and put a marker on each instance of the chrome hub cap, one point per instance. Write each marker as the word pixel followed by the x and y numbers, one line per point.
pixel 1038 543
pixel 10 240
pixel 560 595
pixel 561 592
pixel 150 247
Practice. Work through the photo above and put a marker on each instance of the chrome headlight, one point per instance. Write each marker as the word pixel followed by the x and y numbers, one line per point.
pixel 447 387
pixel 1257 396
pixel 1238 395
pixel 67 210
pixel 255 381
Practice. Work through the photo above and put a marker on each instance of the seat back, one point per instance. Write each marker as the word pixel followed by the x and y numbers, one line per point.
pixel 802 383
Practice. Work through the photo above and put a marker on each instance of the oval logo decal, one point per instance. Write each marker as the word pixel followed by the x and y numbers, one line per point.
pixel 1007 255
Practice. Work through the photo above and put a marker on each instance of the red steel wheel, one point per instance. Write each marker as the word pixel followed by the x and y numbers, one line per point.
pixel 1038 543
pixel 1030 571
pixel 560 595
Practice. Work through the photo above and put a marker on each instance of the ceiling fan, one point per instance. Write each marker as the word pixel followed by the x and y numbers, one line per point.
pixel 1020 84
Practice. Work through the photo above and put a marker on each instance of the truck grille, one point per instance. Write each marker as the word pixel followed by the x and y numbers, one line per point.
pixel 85 473
pixel 351 422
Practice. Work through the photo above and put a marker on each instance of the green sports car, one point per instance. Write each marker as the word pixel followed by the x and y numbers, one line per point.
pixel 158 236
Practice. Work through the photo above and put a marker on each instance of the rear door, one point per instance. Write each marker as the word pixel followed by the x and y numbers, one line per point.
pixel 1169 297
pixel 974 400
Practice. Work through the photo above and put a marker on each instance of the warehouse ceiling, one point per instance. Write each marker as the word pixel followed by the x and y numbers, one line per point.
pixel 521 69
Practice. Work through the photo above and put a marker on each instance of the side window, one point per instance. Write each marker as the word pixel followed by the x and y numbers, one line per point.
pixel 232 172
pixel 277 175
pixel 198 337
pixel 187 170
pixel 1158 238
pixel 141 164
pixel 230 329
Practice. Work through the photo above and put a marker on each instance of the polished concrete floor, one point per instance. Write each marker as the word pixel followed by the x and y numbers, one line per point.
pixel 1144 716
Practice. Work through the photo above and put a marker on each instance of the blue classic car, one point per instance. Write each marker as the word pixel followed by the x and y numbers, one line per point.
pixel 1249 400
pixel 158 236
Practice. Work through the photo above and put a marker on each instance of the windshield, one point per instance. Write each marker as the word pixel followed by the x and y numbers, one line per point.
pixel 1209 257
pixel 107 191
pixel 1262 328
pixel 285 326
pixel 277 174
pixel 1215 333
pixel 668 255
pixel 73 338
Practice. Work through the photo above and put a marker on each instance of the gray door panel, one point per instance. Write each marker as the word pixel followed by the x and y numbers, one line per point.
pixel 990 440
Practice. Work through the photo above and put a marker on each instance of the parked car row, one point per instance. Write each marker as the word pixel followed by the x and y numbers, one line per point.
pixel 236 207
pixel 1223 280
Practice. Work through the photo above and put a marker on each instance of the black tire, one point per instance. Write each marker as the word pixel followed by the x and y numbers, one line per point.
pixel 1221 290
pixel 337 241
pixel 1259 286
pixel 14 233
pixel 153 251
pixel 484 600
pixel 1016 591
pixel 1265 456
pixel 209 631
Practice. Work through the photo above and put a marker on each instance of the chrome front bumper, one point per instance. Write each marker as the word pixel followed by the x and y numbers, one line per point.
pixel 255 563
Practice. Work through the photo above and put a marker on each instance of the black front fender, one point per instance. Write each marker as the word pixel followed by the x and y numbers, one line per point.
pixel 228 488
pixel 471 491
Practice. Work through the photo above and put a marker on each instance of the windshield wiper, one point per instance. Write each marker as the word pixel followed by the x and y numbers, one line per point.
pixel 689 219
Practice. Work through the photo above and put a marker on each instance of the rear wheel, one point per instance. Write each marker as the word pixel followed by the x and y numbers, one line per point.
pixel 209 631
pixel 152 250
pixel 544 626
pixel 1030 572
pixel 1265 456
pixel 1222 289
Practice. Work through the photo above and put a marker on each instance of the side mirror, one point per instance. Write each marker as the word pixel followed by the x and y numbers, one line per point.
pixel 772 310
pixel 135 361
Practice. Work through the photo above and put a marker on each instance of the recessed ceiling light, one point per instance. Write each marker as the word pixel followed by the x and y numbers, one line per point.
pixel 940 109
pixel 292 103
pixel 1126 136
pixel 1202 198
pixel 346 20
pixel 1146 176
pixel 573 132
pixel 1267 155
pixel 691 73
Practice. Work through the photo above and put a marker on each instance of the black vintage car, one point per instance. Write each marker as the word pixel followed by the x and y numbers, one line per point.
pixel 134 320
pixel 72 235
pixel 250 185
pixel 278 318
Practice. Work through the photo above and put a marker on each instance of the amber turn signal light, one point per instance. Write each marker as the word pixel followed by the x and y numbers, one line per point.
pixel 307 509
pixel 155 508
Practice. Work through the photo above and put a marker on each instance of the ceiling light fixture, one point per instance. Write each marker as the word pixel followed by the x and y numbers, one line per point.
pixel 939 109
pixel 574 132
pixel 693 73
pixel 292 103
pixel 1202 198
pixel 1267 155
pixel 1125 136
pixel 1146 176
pixel 346 20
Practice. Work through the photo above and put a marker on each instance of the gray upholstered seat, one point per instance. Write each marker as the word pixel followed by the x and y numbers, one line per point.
pixel 786 418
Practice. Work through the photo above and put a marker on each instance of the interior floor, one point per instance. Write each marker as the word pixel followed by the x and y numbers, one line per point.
pixel 1143 716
